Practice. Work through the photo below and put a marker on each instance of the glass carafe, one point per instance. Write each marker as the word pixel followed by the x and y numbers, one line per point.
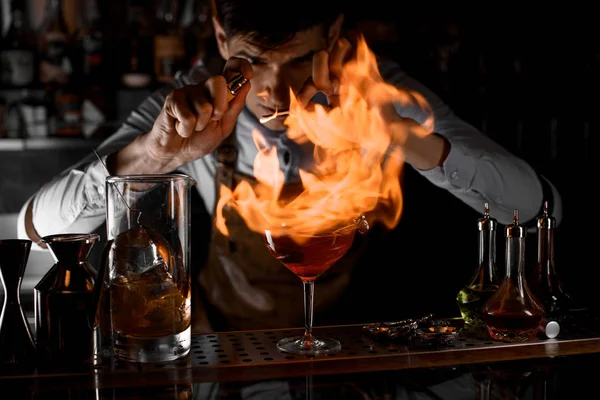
pixel 148 221
pixel 484 282
pixel 513 314
pixel 65 303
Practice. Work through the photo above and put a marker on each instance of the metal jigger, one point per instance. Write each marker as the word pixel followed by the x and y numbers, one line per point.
pixel 16 342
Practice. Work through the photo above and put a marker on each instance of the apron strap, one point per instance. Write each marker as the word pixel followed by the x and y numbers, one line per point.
pixel 226 156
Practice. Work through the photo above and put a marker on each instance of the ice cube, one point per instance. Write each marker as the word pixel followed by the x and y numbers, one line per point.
pixel 148 301
pixel 139 250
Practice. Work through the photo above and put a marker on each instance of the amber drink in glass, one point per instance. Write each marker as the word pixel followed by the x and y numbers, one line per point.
pixel 148 261
pixel 513 313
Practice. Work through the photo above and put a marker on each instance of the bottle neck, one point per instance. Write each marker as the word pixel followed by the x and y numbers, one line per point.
pixel 166 18
pixel 17 19
pixel 515 260
pixel 54 20
pixel 89 16
pixel 137 23
pixel 53 10
pixel 486 269
pixel 200 12
pixel 545 247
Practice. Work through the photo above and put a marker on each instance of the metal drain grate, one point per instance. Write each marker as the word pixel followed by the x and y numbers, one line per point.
pixel 260 347
pixel 228 349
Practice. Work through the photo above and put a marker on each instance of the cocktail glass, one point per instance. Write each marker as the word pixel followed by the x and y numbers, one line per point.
pixel 309 256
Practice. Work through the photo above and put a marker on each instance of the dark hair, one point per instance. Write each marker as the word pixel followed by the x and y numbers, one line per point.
pixel 269 23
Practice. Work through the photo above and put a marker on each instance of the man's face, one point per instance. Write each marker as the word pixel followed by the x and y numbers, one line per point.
pixel 278 70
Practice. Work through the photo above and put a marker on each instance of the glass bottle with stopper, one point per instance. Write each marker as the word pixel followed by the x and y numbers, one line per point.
pixel 484 282
pixel 543 279
pixel 513 313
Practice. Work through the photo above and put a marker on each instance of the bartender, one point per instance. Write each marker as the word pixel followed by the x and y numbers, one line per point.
pixel 194 126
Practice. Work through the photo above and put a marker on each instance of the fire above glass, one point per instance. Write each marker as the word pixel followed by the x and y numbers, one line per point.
pixel 347 160
pixel 308 256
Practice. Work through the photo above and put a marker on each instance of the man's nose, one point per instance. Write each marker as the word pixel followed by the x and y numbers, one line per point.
pixel 278 87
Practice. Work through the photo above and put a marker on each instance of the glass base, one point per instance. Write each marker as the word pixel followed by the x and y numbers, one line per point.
pixel 296 345
pixel 153 349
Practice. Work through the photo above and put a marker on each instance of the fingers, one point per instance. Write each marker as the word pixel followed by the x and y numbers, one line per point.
pixel 327 73
pixel 328 67
pixel 236 105
pixel 339 56
pixel 176 106
pixel 194 107
pixel 307 92
pixel 320 72
pixel 237 65
pixel 217 90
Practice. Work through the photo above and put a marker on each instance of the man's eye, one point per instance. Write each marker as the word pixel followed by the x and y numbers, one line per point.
pixel 255 61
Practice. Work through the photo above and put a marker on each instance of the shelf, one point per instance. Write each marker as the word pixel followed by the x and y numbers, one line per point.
pixel 47 144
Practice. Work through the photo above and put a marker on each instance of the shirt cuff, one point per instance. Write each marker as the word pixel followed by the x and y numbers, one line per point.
pixel 76 195
pixel 95 186
pixel 456 173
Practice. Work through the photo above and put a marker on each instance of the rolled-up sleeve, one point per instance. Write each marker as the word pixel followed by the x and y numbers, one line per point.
pixel 75 200
pixel 479 171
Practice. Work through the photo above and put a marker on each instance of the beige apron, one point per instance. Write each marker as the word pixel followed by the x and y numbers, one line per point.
pixel 245 284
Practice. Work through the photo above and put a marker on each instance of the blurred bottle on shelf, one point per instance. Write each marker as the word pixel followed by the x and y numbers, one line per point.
pixel 136 43
pixel 91 68
pixel 18 50
pixel 56 72
pixel 90 42
pixel 54 42
pixel 169 50
pixel 198 32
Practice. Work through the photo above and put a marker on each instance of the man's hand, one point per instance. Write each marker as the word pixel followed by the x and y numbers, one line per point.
pixel 194 120
pixel 422 148
pixel 326 74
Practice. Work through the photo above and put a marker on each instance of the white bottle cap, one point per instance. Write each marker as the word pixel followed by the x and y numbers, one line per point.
pixel 552 329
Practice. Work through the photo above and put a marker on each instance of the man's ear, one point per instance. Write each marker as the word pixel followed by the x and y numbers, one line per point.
pixel 221 38
pixel 335 30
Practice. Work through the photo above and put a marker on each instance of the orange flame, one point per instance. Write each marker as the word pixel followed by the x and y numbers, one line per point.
pixel 358 159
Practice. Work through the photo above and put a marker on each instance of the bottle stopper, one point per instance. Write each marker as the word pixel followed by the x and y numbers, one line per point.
pixel 487 223
pixel 516 230
pixel 546 221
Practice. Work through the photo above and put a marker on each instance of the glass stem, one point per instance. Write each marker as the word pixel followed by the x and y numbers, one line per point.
pixel 309 295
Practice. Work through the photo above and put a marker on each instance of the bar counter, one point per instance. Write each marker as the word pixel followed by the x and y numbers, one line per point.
pixel 252 356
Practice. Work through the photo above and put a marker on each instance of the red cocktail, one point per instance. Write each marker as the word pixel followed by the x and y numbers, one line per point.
pixel 313 255
pixel 308 256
